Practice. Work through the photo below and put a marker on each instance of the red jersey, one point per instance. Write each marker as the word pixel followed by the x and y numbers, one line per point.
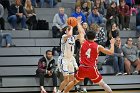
pixel 89 53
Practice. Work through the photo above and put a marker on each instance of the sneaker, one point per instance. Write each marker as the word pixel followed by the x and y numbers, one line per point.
pixel 128 28
pixel 13 29
pixel 118 74
pixel 77 88
pixel 125 74
pixel 135 73
pixel 84 90
pixel 124 29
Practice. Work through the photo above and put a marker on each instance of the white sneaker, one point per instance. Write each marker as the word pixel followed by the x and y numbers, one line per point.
pixel 124 29
pixel 13 29
pixel 118 74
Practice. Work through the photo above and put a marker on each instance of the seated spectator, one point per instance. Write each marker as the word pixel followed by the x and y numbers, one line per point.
pixel 2 22
pixel 117 59
pixel 100 6
pixel 100 34
pixel 85 9
pixel 78 12
pixel 59 23
pixel 124 15
pixel 30 13
pixel 114 32
pixel 138 21
pixel 46 68
pixel 112 15
pixel 95 17
pixel 17 15
pixel 131 57
pixel 85 26
pixel 8 39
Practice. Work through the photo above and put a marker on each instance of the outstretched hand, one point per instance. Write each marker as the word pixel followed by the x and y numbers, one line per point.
pixel 112 41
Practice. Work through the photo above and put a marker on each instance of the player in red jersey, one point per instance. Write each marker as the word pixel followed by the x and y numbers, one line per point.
pixel 88 60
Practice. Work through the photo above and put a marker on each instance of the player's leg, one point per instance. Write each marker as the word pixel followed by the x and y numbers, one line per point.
pixel 96 77
pixel 105 86
pixel 70 86
pixel 65 71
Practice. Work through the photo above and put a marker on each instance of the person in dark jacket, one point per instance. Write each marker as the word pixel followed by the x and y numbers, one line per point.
pixel 46 68
pixel 16 14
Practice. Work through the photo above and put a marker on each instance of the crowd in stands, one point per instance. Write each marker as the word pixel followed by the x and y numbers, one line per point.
pixel 106 17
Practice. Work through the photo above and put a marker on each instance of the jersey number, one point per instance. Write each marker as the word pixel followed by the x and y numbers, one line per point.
pixel 88 53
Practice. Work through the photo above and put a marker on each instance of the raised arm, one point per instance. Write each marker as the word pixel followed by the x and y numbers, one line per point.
pixel 80 30
pixel 108 51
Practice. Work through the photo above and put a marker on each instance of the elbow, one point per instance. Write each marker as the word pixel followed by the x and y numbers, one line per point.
pixel 111 53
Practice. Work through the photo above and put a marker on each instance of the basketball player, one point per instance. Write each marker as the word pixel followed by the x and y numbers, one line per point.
pixel 66 60
pixel 88 59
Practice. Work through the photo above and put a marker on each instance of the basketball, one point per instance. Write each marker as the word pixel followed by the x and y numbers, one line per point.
pixel 72 21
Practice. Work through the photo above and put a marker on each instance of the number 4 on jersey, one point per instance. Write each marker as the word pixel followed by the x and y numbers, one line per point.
pixel 88 53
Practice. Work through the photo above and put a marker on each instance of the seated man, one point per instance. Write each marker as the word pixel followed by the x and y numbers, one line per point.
pixel 46 68
pixel 96 18
pixel 59 23
pixel 7 38
pixel 131 57
pixel 16 15
pixel 117 59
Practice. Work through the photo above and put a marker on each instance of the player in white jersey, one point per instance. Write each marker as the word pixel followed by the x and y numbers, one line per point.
pixel 66 60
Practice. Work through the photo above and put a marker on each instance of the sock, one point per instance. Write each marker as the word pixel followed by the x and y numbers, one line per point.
pixel 84 89
pixel 54 89
pixel 105 87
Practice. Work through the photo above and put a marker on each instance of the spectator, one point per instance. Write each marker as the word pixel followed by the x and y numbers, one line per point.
pixel 46 68
pixel 100 6
pixel 85 9
pixel 114 32
pixel 5 4
pixel 138 21
pixel 85 26
pixel 8 39
pixel 59 23
pixel 124 15
pixel 100 34
pixel 112 15
pixel 16 15
pixel 131 57
pixel 78 12
pixel 2 22
pixel 95 17
pixel 117 59
pixel 30 13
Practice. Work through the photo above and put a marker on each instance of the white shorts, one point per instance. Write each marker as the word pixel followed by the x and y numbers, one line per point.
pixel 66 65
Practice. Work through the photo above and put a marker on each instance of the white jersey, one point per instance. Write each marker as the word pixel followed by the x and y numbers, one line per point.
pixel 67 48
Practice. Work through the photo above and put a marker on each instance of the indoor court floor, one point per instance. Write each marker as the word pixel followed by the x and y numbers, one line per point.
pixel 118 91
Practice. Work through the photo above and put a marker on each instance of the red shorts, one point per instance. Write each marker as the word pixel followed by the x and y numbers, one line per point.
pixel 88 72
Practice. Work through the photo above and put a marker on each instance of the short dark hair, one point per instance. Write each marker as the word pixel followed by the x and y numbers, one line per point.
pixel 48 51
pixel 90 35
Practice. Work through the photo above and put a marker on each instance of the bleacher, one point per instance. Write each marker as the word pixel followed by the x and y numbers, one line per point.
pixel 18 64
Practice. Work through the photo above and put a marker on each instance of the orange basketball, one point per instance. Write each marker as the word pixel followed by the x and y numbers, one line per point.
pixel 72 21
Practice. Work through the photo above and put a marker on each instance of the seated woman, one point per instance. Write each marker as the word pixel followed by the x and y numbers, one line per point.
pixel 131 57
pixel 30 13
